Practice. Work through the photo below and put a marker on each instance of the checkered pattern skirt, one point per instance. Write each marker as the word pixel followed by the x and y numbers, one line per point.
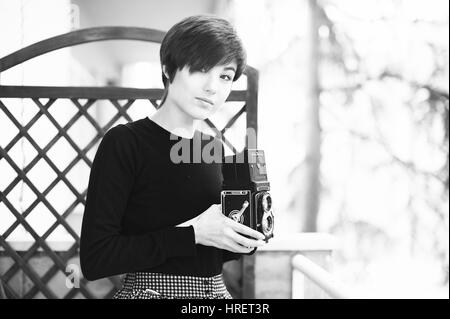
pixel 143 285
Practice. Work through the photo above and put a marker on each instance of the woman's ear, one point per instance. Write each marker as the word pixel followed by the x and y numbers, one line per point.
pixel 164 69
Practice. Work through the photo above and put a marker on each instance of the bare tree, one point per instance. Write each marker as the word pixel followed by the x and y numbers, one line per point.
pixel 428 96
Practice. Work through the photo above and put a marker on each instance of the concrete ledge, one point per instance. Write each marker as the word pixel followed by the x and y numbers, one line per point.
pixel 301 242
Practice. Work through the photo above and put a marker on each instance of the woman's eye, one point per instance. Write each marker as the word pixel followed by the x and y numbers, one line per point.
pixel 226 77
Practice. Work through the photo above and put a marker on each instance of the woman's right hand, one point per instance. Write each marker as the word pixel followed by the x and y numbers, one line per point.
pixel 212 228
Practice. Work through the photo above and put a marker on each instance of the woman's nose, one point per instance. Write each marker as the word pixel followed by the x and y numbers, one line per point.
pixel 210 85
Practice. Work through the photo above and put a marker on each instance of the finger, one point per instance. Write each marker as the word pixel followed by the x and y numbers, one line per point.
pixel 236 248
pixel 232 239
pixel 245 230
pixel 244 241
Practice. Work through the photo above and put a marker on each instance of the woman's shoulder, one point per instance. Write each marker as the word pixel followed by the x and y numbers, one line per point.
pixel 119 132
pixel 120 136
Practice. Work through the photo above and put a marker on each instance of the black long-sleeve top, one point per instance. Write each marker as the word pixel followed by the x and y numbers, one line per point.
pixel 136 195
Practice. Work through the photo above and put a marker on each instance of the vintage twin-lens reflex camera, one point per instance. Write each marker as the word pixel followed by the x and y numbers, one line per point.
pixel 245 195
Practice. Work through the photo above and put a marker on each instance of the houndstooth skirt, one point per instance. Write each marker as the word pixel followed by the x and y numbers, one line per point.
pixel 143 285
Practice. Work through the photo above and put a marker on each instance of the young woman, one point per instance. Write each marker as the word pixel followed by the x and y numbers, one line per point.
pixel 149 216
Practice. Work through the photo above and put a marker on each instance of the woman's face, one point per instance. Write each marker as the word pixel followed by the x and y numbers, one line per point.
pixel 199 94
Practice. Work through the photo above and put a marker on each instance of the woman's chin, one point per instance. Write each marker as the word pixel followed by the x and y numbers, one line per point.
pixel 201 114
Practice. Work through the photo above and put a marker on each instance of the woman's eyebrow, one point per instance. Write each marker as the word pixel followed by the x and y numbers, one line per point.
pixel 230 68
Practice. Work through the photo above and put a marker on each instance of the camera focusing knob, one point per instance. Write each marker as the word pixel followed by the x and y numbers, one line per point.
pixel 236 215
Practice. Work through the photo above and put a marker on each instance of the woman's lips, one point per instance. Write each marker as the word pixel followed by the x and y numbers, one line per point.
pixel 208 101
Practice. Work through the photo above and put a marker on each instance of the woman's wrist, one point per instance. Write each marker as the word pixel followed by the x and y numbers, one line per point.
pixel 196 232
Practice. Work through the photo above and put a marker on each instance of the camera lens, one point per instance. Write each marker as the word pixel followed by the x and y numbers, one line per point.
pixel 267 224
pixel 266 202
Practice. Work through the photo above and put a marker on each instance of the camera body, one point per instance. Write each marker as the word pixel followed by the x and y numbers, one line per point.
pixel 245 195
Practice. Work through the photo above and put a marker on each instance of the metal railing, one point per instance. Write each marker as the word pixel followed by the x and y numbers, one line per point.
pixel 321 277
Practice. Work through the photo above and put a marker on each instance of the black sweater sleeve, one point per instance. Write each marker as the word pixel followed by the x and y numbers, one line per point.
pixel 104 249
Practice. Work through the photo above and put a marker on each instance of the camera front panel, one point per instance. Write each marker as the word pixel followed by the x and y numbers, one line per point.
pixel 237 205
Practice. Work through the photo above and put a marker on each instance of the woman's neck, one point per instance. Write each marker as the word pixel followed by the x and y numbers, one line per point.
pixel 174 120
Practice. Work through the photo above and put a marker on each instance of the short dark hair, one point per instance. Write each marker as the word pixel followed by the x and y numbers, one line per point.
pixel 201 42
